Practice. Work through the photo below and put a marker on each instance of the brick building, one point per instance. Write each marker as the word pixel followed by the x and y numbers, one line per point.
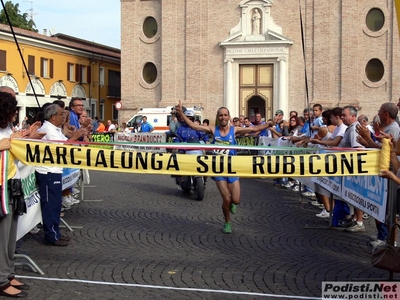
pixel 248 55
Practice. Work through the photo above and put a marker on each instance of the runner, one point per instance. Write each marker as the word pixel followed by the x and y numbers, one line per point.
pixel 224 134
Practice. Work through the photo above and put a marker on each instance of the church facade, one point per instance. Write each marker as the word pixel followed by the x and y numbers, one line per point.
pixel 258 55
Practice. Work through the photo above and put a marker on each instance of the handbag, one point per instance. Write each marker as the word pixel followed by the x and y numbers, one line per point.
pixel 16 194
pixel 387 257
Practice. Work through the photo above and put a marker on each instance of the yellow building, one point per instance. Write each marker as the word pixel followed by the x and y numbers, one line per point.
pixel 59 67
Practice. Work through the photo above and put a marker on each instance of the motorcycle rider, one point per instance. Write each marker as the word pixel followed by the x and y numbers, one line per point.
pixel 185 134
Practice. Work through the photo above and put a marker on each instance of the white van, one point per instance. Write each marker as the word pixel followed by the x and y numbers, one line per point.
pixel 159 118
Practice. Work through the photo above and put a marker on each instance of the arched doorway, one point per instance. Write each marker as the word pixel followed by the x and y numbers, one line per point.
pixel 255 105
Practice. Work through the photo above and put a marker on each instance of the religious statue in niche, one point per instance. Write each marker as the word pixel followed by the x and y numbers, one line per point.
pixel 256 19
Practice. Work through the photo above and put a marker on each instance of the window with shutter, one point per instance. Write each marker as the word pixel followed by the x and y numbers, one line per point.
pixel 3 60
pixel 78 73
pixel 70 72
pixel 89 74
pixel 51 68
pixel 31 65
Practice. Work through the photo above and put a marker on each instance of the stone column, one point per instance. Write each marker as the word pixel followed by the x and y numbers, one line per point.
pixel 283 86
pixel 229 85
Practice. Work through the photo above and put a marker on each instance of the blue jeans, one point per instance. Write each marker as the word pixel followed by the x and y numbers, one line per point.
pixel 383 230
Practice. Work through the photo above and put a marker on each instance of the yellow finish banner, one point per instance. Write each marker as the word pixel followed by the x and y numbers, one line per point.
pixel 326 164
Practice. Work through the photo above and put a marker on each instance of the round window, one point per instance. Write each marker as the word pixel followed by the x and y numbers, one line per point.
pixel 374 70
pixel 149 73
pixel 375 19
pixel 150 27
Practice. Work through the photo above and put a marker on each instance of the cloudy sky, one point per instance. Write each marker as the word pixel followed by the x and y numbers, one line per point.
pixel 93 20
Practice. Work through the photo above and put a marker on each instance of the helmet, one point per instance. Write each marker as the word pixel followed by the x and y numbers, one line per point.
pixel 189 113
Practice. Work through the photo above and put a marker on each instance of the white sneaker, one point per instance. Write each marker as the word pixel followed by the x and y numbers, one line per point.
pixel 65 206
pixel 356 228
pixel 34 230
pixel 377 243
pixel 73 200
pixel 315 203
pixel 296 188
pixel 308 194
pixel 289 184
pixel 66 201
pixel 75 191
pixel 366 216
pixel 323 214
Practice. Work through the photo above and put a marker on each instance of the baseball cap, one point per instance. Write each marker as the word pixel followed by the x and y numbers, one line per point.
pixel 279 112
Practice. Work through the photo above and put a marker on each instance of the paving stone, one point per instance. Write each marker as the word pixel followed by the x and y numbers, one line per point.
pixel 147 232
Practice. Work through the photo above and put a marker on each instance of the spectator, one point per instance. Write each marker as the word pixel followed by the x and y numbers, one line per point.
pixel 293 113
pixel 241 119
pixel 236 122
pixel 110 126
pixel 95 124
pixel 76 109
pixel 100 127
pixel 387 115
pixel 349 140
pixel 9 285
pixel 146 126
pixel 49 179
pixel 277 130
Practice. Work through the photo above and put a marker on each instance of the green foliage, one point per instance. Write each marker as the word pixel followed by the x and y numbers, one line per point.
pixel 16 18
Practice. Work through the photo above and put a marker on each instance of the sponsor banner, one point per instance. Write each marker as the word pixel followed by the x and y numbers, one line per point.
pixel 107 137
pixel 70 177
pixel 368 193
pixel 275 144
pixel 33 214
pixel 247 141
pixel 308 165
pixel 139 138
pixel 333 184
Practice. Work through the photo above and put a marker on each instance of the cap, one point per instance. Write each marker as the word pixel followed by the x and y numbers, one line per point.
pixel 189 113
pixel 279 112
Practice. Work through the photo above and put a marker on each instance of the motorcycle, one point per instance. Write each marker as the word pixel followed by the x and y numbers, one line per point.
pixel 196 183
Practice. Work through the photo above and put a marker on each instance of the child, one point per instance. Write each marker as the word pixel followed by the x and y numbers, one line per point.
pixel 318 122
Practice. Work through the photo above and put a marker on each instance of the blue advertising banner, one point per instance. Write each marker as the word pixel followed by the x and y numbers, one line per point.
pixel 368 193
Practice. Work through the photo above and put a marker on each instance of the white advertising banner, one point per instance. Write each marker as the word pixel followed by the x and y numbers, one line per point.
pixel 33 214
pixel 140 138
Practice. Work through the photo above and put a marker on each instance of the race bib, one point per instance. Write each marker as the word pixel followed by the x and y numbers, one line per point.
pixel 222 152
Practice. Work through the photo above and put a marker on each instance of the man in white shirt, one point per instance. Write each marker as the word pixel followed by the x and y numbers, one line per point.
pixel 349 140
pixel 111 126
pixel 49 178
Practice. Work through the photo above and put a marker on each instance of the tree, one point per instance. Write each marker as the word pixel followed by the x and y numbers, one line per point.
pixel 16 19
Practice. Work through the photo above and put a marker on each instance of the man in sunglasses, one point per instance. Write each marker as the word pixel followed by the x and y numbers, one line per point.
pixel 276 130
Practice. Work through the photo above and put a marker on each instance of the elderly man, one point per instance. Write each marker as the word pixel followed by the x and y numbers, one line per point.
pixel 387 115
pixel 49 178
pixel 110 126
pixel 349 140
